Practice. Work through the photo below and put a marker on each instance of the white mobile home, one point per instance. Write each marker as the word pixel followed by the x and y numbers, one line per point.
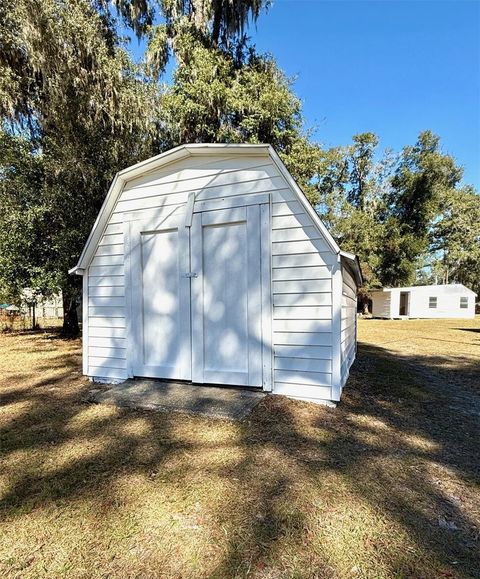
pixel 208 264
pixel 426 301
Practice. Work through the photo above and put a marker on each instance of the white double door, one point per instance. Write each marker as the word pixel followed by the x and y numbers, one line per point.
pixel 196 298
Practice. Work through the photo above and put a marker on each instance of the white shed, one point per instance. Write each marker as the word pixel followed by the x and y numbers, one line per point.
pixel 208 264
pixel 425 301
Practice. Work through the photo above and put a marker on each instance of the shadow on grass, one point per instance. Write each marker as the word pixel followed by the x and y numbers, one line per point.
pixel 475 330
pixel 388 445
pixel 388 467
pixel 382 467
pixel 49 332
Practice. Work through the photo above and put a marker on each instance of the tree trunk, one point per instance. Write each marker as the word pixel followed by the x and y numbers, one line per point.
pixel 217 21
pixel 70 292
pixel 363 302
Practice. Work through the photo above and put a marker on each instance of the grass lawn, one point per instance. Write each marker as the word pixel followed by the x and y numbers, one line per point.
pixel 385 485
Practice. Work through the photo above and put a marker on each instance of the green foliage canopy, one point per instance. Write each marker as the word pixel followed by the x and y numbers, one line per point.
pixel 70 90
pixel 75 109
pixel 456 239
pixel 423 179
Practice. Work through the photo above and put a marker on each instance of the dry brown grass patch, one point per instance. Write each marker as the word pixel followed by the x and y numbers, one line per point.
pixel 386 485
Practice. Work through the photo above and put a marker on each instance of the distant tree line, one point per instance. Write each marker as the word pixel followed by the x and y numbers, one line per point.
pixel 405 215
pixel 75 109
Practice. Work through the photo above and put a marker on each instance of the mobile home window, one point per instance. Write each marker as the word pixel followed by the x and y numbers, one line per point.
pixel 432 302
pixel 464 303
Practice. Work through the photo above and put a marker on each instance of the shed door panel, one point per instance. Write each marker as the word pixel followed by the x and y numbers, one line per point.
pixel 226 294
pixel 161 304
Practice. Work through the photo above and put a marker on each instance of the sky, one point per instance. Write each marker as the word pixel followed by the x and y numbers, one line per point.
pixel 393 67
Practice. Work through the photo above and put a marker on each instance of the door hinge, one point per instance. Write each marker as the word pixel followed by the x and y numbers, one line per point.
pixel 190 274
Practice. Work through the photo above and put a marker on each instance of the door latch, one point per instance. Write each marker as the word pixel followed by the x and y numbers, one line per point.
pixel 190 274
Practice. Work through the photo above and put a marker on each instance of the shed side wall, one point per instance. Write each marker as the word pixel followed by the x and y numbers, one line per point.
pixel 348 337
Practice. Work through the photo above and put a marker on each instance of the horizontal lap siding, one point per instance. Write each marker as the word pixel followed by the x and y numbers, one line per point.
pixel 106 308
pixel 348 335
pixel 302 302
pixel 222 177
pixel 381 305
pixel 302 264
pixel 161 193
pixel 105 332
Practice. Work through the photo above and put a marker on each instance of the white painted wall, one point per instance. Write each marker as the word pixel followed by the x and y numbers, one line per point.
pixel 348 338
pixel 381 304
pixel 301 269
pixel 448 302
pixel 302 303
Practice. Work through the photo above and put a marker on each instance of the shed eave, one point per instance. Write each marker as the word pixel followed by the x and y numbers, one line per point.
pixel 99 224
pixel 354 262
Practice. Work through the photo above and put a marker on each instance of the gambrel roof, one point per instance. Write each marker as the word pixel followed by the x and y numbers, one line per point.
pixel 182 152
